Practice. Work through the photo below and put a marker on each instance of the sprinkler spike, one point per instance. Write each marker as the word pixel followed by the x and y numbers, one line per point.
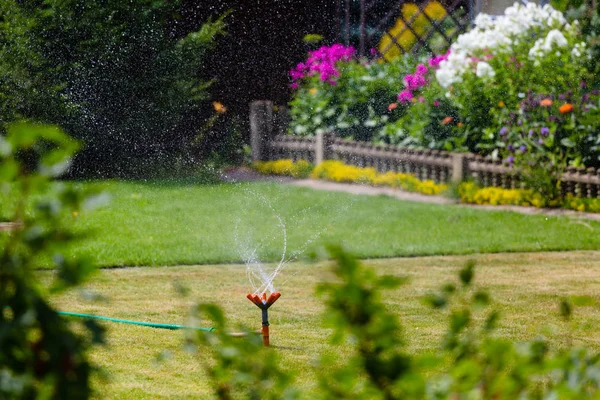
pixel 265 335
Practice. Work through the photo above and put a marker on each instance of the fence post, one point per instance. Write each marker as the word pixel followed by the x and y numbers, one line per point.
pixel 460 167
pixel 322 146
pixel 319 148
pixel 261 128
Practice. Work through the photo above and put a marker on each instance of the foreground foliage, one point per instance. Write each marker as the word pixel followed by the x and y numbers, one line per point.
pixel 473 363
pixel 41 356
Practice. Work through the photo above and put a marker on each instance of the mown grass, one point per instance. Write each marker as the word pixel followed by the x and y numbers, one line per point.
pixel 526 288
pixel 173 224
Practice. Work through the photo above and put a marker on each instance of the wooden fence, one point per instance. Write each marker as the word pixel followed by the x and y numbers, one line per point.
pixel 270 143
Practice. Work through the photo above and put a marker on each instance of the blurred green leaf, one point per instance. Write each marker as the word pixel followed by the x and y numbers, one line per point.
pixel 466 274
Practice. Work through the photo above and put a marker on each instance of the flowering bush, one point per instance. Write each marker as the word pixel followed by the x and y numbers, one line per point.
pixel 431 117
pixel 322 62
pixel 286 167
pixel 530 49
pixel 333 91
pixel 544 135
pixel 471 193
pixel 581 204
pixel 337 171
pixel 517 87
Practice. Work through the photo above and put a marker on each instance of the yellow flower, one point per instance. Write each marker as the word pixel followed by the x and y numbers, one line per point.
pixel 313 91
pixel 501 104
pixel 219 107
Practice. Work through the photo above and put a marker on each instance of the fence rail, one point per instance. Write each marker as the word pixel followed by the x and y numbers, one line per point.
pixel 439 166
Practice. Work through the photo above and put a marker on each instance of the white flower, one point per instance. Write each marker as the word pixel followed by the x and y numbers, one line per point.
pixel 536 51
pixel 578 50
pixel 520 24
pixel 555 37
pixel 485 70
pixel 484 21
pixel 446 77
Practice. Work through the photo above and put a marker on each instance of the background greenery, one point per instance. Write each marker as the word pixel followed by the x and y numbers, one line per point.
pixel 127 78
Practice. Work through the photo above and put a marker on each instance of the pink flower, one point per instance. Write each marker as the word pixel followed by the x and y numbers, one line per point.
pixel 414 81
pixel 435 61
pixel 436 103
pixel 421 99
pixel 405 96
pixel 322 62
pixel 421 69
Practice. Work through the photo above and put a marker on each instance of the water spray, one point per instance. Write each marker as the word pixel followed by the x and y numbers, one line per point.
pixel 263 303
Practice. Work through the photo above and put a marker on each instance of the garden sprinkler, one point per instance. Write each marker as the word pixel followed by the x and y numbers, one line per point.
pixel 263 303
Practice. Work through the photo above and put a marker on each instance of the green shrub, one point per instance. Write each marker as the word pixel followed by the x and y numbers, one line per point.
pixel 351 97
pixel 41 354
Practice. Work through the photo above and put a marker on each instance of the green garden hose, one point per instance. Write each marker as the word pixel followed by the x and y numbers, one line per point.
pixel 126 321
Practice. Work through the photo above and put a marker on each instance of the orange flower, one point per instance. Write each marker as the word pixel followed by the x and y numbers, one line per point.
pixel 392 106
pixel 447 120
pixel 219 107
pixel 501 104
pixel 313 91
pixel 566 108
pixel 460 124
pixel 546 103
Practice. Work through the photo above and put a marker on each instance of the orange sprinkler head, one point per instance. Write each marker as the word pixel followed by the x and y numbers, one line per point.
pixel 263 303
pixel 273 298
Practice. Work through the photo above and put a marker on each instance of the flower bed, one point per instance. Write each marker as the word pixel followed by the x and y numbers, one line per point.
pixel 520 87
pixel 468 192
pixel 472 194
pixel 285 167
pixel 337 171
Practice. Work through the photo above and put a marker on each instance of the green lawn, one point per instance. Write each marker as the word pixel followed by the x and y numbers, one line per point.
pixel 525 287
pixel 174 224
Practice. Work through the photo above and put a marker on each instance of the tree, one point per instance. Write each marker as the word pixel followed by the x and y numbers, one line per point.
pixel 120 76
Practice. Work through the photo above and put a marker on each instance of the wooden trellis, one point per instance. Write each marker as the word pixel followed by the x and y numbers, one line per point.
pixel 363 23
